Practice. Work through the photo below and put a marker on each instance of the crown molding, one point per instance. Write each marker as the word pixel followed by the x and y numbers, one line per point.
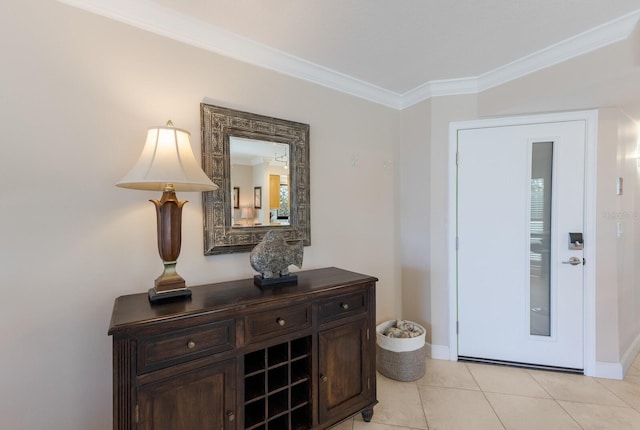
pixel 606 34
pixel 447 87
pixel 146 15
pixel 149 16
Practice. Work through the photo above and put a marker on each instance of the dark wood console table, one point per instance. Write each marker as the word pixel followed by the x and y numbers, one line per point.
pixel 236 356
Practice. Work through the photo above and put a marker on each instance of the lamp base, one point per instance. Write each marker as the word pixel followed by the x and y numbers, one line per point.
pixel 159 296
pixel 169 280
pixel 169 285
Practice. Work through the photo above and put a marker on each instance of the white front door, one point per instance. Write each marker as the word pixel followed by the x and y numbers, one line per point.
pixel 520 197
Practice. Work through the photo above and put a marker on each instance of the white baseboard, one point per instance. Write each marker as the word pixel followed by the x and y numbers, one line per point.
pixel 603 369
pixel 618 370
pixel 438 352
pixel 609 370
pixel 630 354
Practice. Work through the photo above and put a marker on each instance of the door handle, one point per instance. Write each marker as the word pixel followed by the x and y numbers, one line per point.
pixel 574 261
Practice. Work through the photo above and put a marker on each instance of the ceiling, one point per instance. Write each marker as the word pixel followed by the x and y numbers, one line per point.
pixel 391 52
pixel 251 152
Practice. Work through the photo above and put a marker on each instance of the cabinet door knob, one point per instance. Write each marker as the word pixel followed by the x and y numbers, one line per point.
pixel 280 321
pixel 231 415
pixel 191 344
pixel 323 378
pixel 344 306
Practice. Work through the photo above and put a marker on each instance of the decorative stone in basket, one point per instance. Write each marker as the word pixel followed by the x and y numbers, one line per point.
pixel 401 350
pixel 272 258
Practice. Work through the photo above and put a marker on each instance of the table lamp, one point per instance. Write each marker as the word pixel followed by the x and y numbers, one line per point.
pixel 247 215
pixel 167 164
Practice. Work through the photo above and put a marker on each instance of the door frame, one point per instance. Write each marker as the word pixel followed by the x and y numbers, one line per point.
pixel 590 117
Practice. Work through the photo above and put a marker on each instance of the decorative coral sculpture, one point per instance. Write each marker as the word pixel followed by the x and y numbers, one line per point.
pixel 272 258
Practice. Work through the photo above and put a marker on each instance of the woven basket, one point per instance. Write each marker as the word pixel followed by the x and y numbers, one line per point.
pixel 399 358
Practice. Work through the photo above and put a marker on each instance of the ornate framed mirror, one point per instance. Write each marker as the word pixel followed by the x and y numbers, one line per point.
pixel 263 163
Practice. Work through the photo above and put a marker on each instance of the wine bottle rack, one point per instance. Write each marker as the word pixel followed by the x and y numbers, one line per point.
pixel 277 387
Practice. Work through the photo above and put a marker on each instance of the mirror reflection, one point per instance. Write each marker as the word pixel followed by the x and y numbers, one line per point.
pixel 260 182
pixel 269 186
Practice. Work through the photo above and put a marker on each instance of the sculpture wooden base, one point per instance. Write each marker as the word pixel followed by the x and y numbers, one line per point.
pixel 272 282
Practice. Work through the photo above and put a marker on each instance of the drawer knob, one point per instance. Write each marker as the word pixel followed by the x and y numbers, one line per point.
pixel 344 306
pixel 323 378
pixel 231 416
pixel 280 321
pixel 191 344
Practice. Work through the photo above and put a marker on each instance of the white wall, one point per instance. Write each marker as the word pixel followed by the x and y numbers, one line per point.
pixel 600 79
pixel 443 111
pixel 414 213
pixel 424 194
pixel 606 77
pixel 618 253
pixel 78 92
pixel 242 177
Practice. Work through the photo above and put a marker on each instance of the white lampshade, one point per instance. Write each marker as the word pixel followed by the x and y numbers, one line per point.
pixel 167 159
pixel 246 213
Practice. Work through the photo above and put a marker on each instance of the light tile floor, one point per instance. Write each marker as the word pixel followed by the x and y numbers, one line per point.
pixel 470 396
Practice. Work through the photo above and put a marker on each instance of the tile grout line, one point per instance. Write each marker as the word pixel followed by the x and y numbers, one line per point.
pixel 424 413
pixel 557 401
pixel 485 397
pixel 567 412
pixel 614 394
pixel 531 374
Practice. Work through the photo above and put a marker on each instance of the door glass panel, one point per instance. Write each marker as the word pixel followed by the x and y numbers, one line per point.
pixel 540 228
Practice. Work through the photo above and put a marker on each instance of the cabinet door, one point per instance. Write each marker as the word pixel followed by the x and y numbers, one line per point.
pixel 200 399
pixel 344 384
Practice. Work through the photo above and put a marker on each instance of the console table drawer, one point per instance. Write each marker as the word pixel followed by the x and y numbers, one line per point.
pixel 275 322
pixel 182 345
pixel 343 306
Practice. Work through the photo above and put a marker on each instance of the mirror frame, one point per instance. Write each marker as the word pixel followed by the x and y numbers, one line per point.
pixel 217 125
